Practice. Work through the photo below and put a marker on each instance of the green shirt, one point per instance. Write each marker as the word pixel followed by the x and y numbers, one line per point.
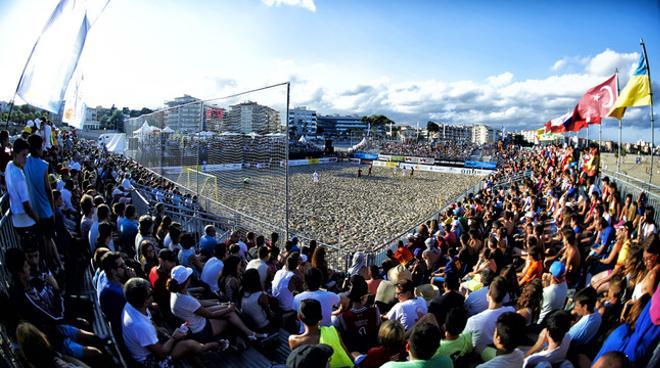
pixel 456 348
pixel 435 362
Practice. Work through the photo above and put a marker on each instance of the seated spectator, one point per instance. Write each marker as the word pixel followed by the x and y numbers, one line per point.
pixel 37 351
pixel 409 308
pixel 158 276
pixel 422 344
pixel 128 228
pixel 309 356
pixel 529 302
pixel 477 301
pixel 327 299
pixel 391 346
pixel 455 344
pixel 255 304
pixel 104 239
pixel 208 241
pixel 554 294
pixel 261 265
pixel 585 329
pixel 285 282
pixel 213 268
pixel 102 215
pixel 533 268
pixel 613 359
pixel 482 325
pixel 449 299
pixel 42 305
pixel 139 333
pixel 553 342
pixel 230 279
pixel 145 224
pixel 118 211
pixel 507 335
pixel 163 230
pixel 310 314
pixel 374 280
pixel 148 256
pixel 187 255
pixel 111 297
pixel 359 325
pixel 206 318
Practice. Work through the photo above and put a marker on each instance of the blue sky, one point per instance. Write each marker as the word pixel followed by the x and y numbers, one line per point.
pixel 511 63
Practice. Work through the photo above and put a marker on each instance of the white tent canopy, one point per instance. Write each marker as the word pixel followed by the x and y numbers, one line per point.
pixel 362 143
pixel 168 130
pixel 302 139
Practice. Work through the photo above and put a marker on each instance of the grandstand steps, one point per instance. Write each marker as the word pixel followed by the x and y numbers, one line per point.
pixel 253 357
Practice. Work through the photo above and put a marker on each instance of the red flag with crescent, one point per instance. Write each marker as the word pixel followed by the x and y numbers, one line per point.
pixel 598 101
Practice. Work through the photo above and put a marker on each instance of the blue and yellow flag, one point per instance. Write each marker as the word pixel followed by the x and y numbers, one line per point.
pixel 636 93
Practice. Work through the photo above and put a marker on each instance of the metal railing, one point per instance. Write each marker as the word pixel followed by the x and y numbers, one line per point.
pixel 228 219
pixel 633 186
pixel 8 239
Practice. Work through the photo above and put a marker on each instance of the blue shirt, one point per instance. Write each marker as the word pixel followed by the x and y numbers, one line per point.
pixel 35 170
pixel 585 329
pixel 112 302
pixel 606 236
pixel 207 244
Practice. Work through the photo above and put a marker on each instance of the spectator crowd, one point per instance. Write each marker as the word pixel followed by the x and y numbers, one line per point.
pixel 558 269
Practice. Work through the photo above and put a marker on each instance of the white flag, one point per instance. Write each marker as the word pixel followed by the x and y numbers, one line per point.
pixel 56 53
pixel 74 107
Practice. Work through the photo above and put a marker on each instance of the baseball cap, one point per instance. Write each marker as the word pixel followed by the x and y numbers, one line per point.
pixel 180 274
pixel 167 255
pixel 309 356
pixel 557 269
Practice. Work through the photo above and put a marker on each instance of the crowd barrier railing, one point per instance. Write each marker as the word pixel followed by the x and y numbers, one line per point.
pixel 633 186
pixel 8 239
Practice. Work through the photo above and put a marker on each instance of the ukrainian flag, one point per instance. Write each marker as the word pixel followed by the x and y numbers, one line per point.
pixel 636 93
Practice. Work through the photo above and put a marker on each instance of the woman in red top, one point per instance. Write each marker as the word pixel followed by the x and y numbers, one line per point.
pixel 533 268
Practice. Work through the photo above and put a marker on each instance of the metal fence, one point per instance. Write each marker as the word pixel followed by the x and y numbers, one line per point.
pixel 8 239
pixel 633 186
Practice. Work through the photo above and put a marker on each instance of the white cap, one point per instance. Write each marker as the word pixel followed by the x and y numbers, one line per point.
pixel 180 274
pixel 30 123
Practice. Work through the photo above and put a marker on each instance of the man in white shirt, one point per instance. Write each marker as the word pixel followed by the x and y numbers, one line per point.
pixel 477 301
pixel 328 299
pixel 24 219
pixel 483 325
pixel 409 309
pixel 139 332
pixel 261 265
pixel 553 342
pixel 554 295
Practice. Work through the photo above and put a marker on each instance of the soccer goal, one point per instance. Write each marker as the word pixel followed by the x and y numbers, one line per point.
pixel 193 178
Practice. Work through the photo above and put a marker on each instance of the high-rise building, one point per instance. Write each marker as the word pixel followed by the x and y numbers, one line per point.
pixel 304 121
pixel 336 125
pixel 184 114
pixel 91 120
pixel 482 134
pixel 250 117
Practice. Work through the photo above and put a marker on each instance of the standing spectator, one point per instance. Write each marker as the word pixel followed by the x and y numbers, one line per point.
pixel 41 194
pixel 24 218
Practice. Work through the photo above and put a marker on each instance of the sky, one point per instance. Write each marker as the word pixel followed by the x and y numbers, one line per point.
pixel 504 63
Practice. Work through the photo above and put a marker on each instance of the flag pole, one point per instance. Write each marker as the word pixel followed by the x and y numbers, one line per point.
pixel 648 70
pixel 618 157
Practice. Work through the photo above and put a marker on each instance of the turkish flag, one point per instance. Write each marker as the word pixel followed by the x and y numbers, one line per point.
pixel 597 102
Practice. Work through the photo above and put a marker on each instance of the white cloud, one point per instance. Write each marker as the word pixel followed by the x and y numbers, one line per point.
pixel 500 80
pixel 307 4
pixel 608 61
